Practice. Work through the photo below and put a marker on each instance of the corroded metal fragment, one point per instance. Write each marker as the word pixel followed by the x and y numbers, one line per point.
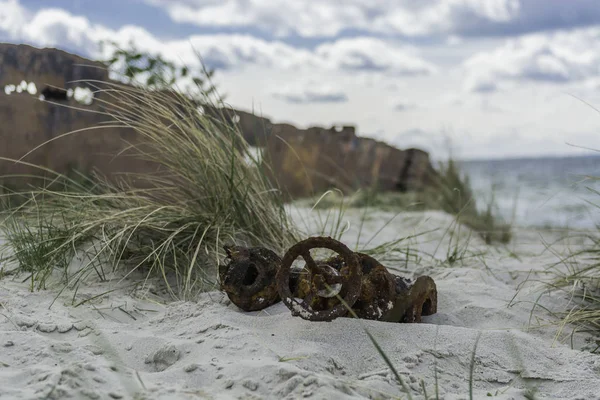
pixel 322 287
pixel 255 278
pixel 377 292
pixel 248 277
pixel 413 300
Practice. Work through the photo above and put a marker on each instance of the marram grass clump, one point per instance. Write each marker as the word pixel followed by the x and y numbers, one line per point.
pixel 454 194
pixel 450 192
pixel 205 191
pixel 578 276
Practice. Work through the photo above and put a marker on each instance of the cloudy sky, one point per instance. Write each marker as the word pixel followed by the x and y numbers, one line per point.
pixel 482 78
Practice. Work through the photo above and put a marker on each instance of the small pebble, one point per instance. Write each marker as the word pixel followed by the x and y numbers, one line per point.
pixel 80 326
pixel 410 359
pixel 10 343
pixel 191 368
pixel 164 357
pixel 229 384
pixel 95 350
pixel 24 321
pixel 89 394
pixel 47 328
pixel 64 328
pixel 115 395
pixel 61 347
pixel 84 332
pixel 251 385
pixel 310 380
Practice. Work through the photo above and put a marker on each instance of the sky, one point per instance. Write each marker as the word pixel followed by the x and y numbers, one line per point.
pixel 468 78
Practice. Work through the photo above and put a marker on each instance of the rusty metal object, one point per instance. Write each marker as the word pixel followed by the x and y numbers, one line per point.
pixel 378 289
pixel 255 278
pixel 413 300
pixel 322 281
pixel 248 277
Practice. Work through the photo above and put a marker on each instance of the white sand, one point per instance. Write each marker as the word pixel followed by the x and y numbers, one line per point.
pixel 128 344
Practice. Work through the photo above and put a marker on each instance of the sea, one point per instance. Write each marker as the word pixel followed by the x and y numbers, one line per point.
pixel 548 192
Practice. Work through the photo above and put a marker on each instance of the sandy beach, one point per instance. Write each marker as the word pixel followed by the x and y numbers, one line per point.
pixel 143 142
pixel 133 343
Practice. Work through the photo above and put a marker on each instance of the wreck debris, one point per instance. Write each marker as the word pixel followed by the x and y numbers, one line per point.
pixel 413 300
pixel 249 277
pixel 319 302
pixel 255 278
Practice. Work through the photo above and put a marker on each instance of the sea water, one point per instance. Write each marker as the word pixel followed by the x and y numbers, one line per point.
pixel 552 192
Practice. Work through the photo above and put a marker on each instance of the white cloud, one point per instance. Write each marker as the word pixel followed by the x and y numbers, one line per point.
pixel 235 51
pixel 12 17
pixel 309 92
pixel 566 56
pixel 447 16
pixel 56 26
pixel 370 54
pixel 280 17
pixel 219 51
pixel 327 18
pixel 50 27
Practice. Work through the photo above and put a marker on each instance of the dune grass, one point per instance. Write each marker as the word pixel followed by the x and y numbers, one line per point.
pixel 451 192
pixel 206 191
pixel 578 276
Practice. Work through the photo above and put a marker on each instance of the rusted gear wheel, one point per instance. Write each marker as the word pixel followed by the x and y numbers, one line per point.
pixel 321 277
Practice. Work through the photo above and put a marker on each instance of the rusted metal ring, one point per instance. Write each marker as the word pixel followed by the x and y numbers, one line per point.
pixel 351 281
